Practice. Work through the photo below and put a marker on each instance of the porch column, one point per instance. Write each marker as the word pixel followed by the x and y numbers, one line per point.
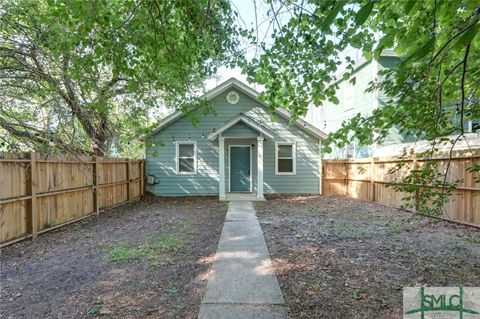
pixel 260 167
pixel 221 167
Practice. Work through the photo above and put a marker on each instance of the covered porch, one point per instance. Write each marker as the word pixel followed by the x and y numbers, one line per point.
pixel 240 148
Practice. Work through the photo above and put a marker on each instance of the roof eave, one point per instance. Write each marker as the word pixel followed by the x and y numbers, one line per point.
pixel 233 82
pixel 240 118
pixel 304 125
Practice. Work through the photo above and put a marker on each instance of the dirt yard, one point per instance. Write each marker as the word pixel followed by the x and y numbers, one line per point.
pixel 148 259
pixel 341 258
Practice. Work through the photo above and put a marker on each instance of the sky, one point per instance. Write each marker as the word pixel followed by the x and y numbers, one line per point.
pixel 246 18
pixel 250 14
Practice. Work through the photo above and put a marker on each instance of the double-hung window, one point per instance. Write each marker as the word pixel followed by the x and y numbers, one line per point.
pixel 186 158
pixel 285 158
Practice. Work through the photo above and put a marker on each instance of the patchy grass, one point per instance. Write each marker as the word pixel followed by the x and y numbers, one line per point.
pixel 341 258
pixel 51 223
pixel 123 253
pixel 225 207
pixel 348 231
pixel 146 259
pixel 159 243
pixel 161 261
pixel 95 309
pixel 472 240
pixel 172 241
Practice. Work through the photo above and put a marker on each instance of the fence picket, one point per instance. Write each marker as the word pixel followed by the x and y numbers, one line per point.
pixel 40 194
pixel 368 180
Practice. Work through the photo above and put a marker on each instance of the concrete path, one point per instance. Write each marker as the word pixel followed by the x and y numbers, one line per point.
pixel 242 284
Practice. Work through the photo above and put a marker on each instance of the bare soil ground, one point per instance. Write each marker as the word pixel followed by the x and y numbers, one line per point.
pixel 341 258
pixel 147 259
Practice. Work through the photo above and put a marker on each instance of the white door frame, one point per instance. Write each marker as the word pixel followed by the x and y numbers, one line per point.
pixel 230 165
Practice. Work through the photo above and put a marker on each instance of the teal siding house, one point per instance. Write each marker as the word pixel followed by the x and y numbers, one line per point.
pixel 235 150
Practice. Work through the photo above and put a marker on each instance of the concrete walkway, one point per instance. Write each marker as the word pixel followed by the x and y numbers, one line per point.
pixel 242 284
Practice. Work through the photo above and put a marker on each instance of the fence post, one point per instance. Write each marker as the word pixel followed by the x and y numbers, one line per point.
pixel 129 189
pixel 142 185
pixel 33 193
pixel 96 183
pixel 417 191
pixel 347 181
pixel 372 178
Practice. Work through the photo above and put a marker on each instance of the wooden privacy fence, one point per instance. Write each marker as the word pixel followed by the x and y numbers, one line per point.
pixel 368 179
pixel 40 193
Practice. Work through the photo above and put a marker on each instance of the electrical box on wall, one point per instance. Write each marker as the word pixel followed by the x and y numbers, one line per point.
pixel 151 180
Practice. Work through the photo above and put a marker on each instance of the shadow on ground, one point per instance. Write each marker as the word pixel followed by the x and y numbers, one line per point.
pixel 342 258
pixel 146 259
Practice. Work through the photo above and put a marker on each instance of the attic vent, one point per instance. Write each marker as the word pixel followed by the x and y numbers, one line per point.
pixel 233 97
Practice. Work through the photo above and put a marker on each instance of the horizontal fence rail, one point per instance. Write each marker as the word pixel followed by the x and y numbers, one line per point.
pixel 369 180
pixel 40 193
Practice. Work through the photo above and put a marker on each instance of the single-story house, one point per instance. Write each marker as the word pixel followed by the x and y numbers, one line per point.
pixel 235 149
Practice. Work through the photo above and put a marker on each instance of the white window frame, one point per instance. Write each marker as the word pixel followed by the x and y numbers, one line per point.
pixel 177 157
pixel 294 158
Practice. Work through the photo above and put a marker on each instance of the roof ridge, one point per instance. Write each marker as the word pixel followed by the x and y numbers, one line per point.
pixel 250 92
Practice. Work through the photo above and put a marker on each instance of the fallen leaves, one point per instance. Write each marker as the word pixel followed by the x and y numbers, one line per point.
pixel 341 258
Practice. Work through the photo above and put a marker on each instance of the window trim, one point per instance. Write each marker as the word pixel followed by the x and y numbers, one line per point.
pixel 177 157
pixel 294 158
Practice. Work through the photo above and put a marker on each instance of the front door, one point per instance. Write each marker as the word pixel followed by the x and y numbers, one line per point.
pixel 240 170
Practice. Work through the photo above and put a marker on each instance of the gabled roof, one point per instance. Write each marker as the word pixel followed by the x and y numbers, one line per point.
pixel 250 92
pixel 247 120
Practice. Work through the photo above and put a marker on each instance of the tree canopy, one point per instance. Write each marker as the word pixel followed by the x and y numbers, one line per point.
pixel 437 40
pixel 431 94
pixel 88 76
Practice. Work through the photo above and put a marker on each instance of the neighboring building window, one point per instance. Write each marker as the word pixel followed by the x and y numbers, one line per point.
pixel 351 150
pixel 472 126
pixel 475 126
pixel 285 161
pixel 348 97
pixel 186 157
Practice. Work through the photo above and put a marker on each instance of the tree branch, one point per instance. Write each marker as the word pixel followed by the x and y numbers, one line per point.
pixel 462 86
pixel 21 131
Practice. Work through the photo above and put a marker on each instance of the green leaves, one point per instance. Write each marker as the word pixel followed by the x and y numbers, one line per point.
pixel 333 13
pixel 409 4
pixel 467 36
pixel 363 13
pixel 430 96
pixel 421 51
pixel 98 71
